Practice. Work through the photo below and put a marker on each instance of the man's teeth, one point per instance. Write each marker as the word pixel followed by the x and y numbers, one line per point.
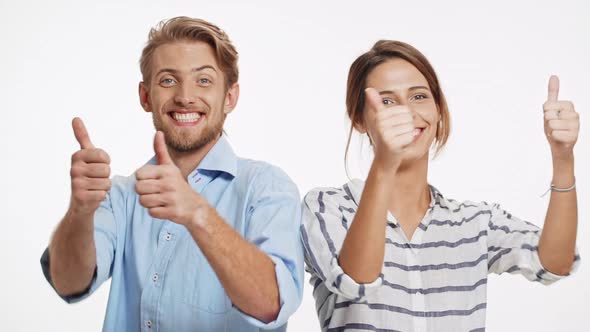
pixel 416 132
pixel 186 117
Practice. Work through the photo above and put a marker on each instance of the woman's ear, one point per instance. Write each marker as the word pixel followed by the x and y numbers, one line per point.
pixel 360 126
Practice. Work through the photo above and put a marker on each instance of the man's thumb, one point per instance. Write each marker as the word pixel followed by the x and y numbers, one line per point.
pixel 81 134
pixel 161 149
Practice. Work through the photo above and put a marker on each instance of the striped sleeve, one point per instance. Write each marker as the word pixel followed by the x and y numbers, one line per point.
pixel 513 248
pixel 323 231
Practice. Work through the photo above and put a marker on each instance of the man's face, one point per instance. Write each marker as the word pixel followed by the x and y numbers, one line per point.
pixel 186 95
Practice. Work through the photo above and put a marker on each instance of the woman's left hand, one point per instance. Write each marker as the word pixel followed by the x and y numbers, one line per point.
pixel 562 123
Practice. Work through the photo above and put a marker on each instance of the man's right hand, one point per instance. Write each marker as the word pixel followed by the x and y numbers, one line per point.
pixel 90 173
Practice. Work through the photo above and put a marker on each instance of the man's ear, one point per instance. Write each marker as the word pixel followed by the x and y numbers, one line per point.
pixel 144 97
pixel 231 98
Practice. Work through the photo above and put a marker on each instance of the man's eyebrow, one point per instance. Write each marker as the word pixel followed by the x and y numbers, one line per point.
pixel 174 71
pixel 203 68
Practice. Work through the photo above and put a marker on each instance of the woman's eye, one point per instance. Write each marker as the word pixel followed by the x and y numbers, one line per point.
pixel 420 97
pixel 387 101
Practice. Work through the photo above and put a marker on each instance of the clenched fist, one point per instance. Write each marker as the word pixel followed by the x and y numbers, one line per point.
pixel 89 173
pixel 562 122
pixel 165 192
pixel 391 129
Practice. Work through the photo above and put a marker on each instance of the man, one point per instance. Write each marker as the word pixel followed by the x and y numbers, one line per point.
pixel 197 239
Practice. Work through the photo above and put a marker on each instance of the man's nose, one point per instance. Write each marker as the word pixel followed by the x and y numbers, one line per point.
pixel 184 96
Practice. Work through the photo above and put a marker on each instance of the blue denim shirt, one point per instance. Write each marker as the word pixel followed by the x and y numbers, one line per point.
pixel 161 281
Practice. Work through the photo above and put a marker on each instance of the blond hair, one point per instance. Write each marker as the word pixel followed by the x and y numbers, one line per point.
pixel 182 28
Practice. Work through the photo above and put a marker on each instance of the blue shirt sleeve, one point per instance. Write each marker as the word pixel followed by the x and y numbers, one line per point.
pixel 105 235
pixel 273 226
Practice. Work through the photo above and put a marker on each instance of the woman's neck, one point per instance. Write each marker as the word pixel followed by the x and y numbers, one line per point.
pixel 410 193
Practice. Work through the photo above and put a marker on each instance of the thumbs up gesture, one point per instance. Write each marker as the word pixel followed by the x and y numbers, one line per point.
pixel 164 191
pixel 89 173
pixel 562 122
pixel 390 128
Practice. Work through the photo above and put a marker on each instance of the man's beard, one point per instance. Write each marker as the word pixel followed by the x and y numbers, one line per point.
pixel 182 143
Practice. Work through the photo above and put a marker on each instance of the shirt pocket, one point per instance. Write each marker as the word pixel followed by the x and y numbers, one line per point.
pixel 203 289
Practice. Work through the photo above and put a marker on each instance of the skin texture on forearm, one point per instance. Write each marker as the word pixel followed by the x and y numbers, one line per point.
pixel 363 250
pixel 246 273
pixel 558 239
pixel 73 254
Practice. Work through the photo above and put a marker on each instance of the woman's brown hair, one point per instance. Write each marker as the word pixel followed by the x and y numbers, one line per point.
pixel 382 51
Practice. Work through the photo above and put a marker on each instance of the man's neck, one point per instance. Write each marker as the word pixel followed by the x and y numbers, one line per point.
pixel 188 161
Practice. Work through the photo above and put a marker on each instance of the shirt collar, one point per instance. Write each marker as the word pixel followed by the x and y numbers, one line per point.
pixel 355 188
pixel 435 196
pixel 221 158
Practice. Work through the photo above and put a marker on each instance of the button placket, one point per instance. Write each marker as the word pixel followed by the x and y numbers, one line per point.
pixel 416 282
pixel 151 294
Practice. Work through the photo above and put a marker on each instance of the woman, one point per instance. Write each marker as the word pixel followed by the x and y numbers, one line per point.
pixel 391 252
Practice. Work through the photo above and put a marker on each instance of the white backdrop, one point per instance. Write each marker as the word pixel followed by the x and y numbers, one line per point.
pixel 64 59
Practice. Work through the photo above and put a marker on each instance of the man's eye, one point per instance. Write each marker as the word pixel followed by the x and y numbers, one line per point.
pixel 204 81
pixel 387 101
pixel 167 82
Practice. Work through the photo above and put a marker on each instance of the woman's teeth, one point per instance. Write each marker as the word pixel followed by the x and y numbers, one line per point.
pixel 186 117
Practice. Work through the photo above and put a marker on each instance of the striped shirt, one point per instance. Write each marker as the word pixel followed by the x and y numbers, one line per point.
pixel 434 282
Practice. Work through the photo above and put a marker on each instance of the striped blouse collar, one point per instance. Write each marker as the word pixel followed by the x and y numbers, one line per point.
pixel 354 190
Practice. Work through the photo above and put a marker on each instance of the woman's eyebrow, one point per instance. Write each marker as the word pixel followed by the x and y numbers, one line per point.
pixel 391 92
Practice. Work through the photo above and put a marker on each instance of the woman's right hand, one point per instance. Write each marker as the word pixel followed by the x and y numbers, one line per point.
pixel 390 128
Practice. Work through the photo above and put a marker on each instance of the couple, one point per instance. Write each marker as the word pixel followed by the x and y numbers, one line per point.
pixel 199 239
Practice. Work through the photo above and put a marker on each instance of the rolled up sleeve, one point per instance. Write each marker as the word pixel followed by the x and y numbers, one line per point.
pixel 513 247
pixel 105 241
pixel 273 226
pixel 323 232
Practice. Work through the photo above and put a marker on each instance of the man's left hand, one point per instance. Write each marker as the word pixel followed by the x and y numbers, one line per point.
pixel 164 191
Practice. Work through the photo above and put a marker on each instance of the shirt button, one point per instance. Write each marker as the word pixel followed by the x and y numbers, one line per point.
pixel 168 236
pixel 148 323
pixel 155 277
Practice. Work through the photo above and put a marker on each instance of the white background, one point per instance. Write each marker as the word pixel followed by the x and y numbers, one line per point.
pixel 64 59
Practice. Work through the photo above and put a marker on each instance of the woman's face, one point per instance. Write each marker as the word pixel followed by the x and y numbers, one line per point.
pixel 399 83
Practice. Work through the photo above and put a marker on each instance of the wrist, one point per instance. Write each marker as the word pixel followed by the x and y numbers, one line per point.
pixel 76 212
pixel 384 168
pixel 78 224
pixel 563 171
pixel 561 160
pixel 201 218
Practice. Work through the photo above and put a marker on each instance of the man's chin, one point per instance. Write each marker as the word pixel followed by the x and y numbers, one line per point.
pixel 185 146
